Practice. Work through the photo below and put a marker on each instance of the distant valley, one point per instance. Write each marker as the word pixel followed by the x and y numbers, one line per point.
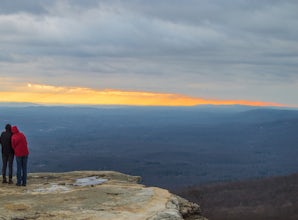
pixel 171 147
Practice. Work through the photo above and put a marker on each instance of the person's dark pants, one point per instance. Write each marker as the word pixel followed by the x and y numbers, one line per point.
pixel 7 159
pixel 22 170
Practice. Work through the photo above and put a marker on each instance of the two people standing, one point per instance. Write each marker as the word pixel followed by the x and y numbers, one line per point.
pixel 14 143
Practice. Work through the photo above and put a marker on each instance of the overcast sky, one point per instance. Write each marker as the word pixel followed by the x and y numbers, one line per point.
pixel 217 49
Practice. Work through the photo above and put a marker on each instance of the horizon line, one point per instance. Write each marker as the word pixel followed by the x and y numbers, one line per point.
pixel 57 95
pixel 33 104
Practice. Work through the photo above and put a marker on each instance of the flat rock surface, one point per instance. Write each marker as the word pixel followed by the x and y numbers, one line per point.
pixel 91 195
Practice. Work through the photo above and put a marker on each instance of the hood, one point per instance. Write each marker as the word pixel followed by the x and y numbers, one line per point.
pixel 14 129
pixel 8 127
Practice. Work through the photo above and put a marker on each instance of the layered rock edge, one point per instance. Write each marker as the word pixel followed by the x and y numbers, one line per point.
pixel 105 195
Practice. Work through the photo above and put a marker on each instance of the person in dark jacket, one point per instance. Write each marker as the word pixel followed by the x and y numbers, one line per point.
pixel 7 153
pixel 19 145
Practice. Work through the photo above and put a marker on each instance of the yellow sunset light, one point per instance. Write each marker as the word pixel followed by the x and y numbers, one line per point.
pixel 47 94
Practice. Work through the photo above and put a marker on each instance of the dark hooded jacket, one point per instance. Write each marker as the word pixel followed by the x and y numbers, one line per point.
pixel 5 140
pixel 19 143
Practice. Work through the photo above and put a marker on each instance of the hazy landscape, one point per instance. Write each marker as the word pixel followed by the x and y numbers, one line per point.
pixel 171 147
pixel 85 82
pixel 220 157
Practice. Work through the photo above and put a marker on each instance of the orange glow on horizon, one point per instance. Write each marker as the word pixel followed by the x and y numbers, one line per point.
pixel 46 94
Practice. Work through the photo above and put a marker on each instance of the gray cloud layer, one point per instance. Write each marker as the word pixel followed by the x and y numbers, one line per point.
pixel 232 49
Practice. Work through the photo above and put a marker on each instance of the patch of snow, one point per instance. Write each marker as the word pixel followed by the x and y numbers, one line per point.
pixel 88 181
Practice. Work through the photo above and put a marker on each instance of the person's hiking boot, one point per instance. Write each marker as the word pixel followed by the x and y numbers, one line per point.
pixel 4 180
pixel 10 181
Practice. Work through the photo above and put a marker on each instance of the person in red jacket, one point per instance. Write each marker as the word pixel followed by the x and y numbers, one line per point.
pixel 19 145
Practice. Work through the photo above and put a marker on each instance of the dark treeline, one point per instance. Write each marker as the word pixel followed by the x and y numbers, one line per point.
pixel 271 198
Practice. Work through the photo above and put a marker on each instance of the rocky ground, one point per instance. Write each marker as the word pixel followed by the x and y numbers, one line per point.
pixel 91 195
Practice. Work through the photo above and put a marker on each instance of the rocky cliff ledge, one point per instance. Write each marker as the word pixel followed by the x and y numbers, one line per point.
pixel 92 195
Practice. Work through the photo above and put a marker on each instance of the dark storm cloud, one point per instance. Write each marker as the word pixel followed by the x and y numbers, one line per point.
pixel 17 6
pixel 41 6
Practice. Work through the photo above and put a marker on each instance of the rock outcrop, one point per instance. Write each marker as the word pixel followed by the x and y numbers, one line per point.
pixel 92 195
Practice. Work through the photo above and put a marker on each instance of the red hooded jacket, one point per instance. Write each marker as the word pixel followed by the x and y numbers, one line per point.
pixel 19 143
